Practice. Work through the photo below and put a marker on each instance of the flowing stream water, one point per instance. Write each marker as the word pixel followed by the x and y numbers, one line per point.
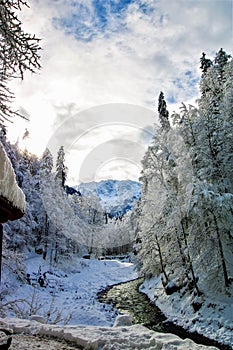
pixel 128 300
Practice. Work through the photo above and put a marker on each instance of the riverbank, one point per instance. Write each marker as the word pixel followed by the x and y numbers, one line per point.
pixel 68 292
pixel 71 290
pixel 128 300
pixel 213 319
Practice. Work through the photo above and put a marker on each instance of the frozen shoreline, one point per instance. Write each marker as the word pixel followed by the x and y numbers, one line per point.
pixel 213 319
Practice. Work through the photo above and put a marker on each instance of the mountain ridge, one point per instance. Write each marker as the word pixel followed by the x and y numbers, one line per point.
pixel 116 196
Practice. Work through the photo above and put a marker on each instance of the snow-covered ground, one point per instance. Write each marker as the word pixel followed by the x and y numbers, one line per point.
pixel 134 337
pixel 214 319
pixel 71 290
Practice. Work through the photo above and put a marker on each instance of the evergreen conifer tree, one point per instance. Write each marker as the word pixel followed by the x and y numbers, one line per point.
pixel 61 169
pixel 184 226
pixel 163 112
pixel 205 63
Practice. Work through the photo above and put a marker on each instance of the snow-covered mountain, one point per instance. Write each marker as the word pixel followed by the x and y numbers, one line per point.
pixel 116 197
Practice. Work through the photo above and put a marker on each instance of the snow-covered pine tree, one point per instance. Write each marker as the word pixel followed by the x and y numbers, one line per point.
pixel 61 169
pixel 46 167
pixel 205 63
pixel 192 182
pixel 208 133
pixel 214 154
pixel 220 61
pixel 163 112
pixel 152 234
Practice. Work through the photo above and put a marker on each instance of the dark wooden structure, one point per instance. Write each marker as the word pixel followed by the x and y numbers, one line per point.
pixel 7 212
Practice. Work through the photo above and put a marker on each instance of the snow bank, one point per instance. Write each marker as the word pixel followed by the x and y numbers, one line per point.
pixel 213 319
pixel 8 186
pixel 105 338
pixel 71 289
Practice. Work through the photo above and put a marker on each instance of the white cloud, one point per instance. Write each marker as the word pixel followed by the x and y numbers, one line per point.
pixel 130 61
pixel 103 134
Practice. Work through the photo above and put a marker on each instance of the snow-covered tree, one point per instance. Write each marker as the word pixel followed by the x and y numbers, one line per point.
pixel 184 226
pixel 61 169
pixel 163 112
pixel 205 63
pixel 46 177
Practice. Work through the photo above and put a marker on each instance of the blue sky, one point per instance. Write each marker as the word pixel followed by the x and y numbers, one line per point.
pixel 86 23
pixel 116 52
pixel 100 18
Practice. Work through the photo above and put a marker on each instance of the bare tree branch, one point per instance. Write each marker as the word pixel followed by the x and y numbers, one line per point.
pixel 19 52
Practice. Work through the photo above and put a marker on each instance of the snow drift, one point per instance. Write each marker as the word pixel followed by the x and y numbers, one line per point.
pixel 105 338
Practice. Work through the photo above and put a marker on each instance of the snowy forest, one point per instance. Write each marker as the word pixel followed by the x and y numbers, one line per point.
pixel 184 217
pixel 179 233
pixel 57 224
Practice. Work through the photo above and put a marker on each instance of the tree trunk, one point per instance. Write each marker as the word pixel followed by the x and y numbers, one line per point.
pixel 223 262
pixel 161 260
pixel 182 254
pixel 194 279
pixel 1 238
pixel 106 217
pixel 46 234
pixel 56 253
pixel 51 258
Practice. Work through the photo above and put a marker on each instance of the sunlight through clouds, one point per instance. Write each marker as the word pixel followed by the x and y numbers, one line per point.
pixel 117 51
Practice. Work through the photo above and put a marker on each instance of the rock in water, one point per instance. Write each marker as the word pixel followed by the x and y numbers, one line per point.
pixel 123 320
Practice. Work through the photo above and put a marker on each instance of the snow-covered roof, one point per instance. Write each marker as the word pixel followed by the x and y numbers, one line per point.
pixel 12 198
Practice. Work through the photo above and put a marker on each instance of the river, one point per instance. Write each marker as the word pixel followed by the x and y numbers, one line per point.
pixel 128 300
